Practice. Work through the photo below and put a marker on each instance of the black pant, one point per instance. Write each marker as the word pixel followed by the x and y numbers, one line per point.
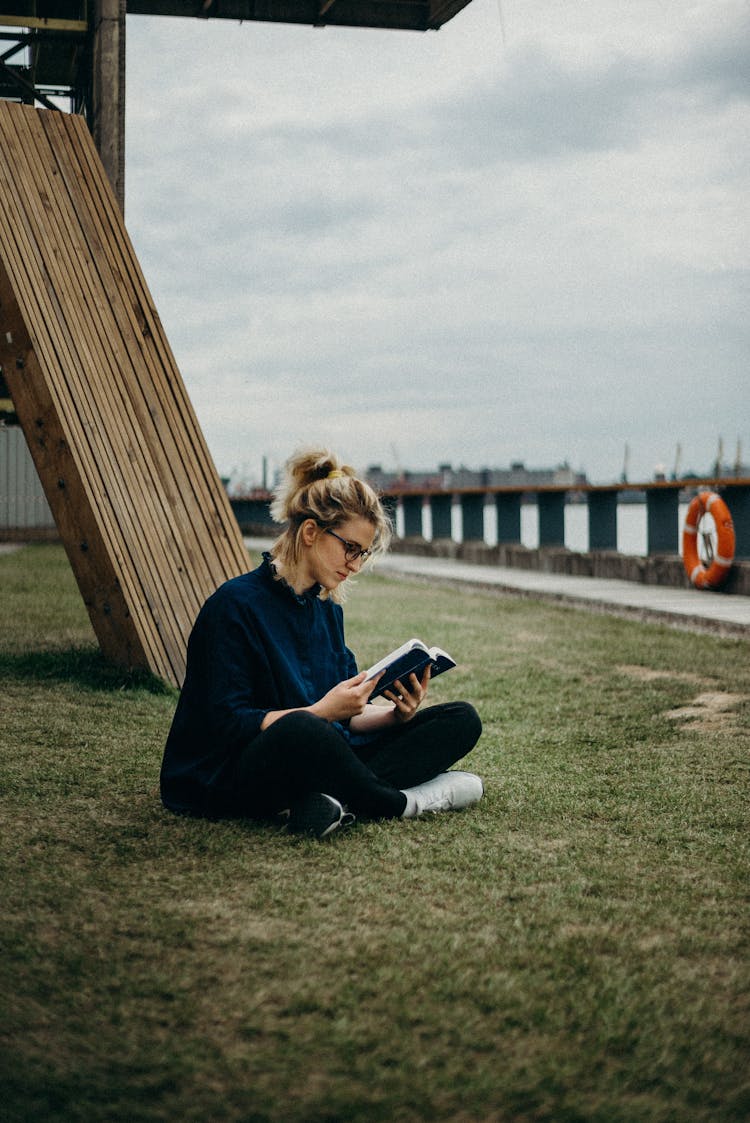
pixel 301 753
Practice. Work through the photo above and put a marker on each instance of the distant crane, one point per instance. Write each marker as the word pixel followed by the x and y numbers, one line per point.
pixel 719 457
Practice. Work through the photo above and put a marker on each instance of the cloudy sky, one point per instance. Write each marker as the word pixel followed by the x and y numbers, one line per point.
pixel 523 237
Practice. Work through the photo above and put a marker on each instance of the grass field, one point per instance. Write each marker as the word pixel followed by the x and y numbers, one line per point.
pixel 576 948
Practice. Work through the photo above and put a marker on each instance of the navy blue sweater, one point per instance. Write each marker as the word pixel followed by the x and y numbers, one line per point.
pixel 256 646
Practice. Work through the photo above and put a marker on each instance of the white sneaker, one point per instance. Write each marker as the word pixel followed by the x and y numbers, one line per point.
pixel 449 791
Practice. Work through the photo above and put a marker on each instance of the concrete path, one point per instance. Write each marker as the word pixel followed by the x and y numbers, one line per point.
pixel 694 609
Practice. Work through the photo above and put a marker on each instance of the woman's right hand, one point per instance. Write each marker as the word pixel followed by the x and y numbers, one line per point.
pixel 346 699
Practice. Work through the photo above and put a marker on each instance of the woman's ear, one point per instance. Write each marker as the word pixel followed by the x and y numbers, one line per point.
pixel 309 531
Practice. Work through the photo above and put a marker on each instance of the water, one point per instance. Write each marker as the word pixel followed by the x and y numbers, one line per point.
pixel 631 526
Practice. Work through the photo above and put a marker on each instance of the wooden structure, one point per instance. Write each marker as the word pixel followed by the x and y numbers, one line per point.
pixel 136 497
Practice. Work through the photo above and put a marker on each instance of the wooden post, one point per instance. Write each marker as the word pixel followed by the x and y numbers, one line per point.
pixel 107 122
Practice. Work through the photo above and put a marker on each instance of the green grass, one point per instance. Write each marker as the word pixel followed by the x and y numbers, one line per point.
pixel 576 948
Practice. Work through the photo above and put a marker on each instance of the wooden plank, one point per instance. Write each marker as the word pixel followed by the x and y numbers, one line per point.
pixel 126 470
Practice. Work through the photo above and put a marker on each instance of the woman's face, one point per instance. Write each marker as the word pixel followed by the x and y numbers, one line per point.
pixel 324 561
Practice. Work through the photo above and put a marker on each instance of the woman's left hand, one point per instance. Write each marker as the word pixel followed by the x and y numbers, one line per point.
pixel 408 698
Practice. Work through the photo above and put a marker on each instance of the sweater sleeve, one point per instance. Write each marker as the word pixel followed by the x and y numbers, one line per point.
pixel 237 689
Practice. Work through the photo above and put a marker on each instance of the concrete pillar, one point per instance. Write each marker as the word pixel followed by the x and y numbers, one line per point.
pixel 107 122
pixel 440 506
pixel 602 520
pixel 662 520
pixel 472 518
pixel 412 507
pixel 551 518
pixel 737 500
pixel 508 507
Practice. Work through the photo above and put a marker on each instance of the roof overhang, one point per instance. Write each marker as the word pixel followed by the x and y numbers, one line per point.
pixel 405 15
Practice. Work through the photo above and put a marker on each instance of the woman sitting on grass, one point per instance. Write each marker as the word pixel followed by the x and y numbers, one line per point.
pixel 274 717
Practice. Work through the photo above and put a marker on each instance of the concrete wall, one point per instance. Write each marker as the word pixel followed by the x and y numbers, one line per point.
pixel 659 569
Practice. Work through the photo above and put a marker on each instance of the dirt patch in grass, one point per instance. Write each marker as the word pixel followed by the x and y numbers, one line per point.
pixel 651 674
pixel 708 712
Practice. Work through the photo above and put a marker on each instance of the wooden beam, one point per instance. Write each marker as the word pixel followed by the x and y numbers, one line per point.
pixel 44 24
pixel 107 121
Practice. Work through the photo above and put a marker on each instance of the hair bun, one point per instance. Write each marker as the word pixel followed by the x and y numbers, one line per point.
pixel 304 493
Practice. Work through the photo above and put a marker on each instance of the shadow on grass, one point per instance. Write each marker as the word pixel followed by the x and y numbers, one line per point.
pixel 84 666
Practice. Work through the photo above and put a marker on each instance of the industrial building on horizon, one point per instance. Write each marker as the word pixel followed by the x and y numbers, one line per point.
pixel 448 478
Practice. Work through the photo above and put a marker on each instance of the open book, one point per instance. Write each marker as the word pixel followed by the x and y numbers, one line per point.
pixel 410 658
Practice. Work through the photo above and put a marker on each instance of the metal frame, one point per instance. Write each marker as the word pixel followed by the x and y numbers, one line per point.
pixel 57 62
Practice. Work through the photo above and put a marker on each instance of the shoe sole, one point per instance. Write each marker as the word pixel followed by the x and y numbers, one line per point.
pixel 318 815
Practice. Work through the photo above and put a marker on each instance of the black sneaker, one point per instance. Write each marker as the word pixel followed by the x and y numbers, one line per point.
pixel 318 814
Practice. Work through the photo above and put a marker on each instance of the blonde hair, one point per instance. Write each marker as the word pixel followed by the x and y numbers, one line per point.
pixel 317 485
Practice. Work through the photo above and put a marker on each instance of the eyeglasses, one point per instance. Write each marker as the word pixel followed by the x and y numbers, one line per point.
pixel 352 552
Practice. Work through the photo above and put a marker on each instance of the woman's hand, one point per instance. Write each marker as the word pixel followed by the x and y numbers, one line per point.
pixel 346 699
pixel 408 698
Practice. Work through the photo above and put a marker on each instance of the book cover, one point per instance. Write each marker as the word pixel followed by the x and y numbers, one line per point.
pixel 410 658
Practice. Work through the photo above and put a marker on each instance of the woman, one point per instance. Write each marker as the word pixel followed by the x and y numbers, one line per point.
pixel 273 716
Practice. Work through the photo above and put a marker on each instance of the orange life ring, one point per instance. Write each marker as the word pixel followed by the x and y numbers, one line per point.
pixel 720 562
